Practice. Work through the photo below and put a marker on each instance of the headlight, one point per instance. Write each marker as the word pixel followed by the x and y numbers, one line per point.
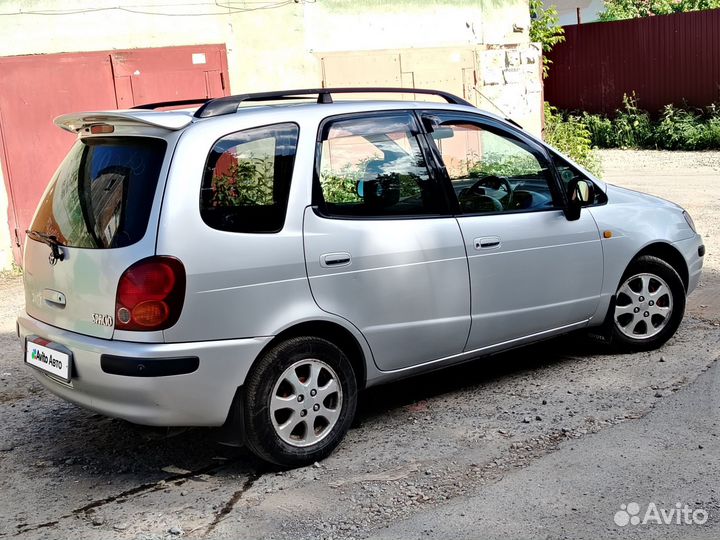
pixel 689 220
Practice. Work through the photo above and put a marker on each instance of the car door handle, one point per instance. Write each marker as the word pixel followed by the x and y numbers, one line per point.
pixel 487 242
pixel 335 259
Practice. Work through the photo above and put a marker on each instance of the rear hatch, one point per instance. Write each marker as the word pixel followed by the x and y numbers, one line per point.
pixel 100 210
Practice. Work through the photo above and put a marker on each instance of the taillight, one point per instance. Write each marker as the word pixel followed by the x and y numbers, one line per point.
pixel 150 294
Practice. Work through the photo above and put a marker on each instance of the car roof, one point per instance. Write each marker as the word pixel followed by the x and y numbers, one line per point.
pixel 179 119
pixel 302 99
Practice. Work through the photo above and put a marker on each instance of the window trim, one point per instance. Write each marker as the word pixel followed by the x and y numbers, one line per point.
pixel 501 130
pixel 318 200
pixel 290 178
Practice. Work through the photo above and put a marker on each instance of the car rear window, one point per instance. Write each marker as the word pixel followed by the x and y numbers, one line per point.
pixel 102 194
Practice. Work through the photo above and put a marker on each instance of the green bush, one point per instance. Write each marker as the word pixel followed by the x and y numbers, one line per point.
pixel 602 131
pixel 571 136
pixel 632 125
pixel 711 133
pixel 679 129
pixel 676 128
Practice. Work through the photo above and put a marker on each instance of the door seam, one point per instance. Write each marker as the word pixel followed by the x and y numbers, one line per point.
pixel 469 277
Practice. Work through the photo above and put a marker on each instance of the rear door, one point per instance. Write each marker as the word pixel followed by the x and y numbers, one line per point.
pixel 98 208
pixel 531 270
pixel 381 249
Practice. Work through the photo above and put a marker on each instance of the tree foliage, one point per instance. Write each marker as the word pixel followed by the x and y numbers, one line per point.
pixel 616 10
pixel 545 29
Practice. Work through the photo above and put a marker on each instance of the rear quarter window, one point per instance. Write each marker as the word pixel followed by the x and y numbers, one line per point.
pixel 246 184
pixel 102 193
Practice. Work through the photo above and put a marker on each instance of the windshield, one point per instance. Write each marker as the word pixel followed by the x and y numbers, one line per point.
pixel 102 194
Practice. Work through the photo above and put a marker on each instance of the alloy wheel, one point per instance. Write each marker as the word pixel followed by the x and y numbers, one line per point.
pixel 306 402
pixel 643 306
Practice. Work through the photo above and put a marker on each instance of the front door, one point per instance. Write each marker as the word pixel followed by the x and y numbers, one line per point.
pixel 532 271
pixel 381 248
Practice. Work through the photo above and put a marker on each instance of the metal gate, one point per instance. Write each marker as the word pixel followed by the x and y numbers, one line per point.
pixel 36 89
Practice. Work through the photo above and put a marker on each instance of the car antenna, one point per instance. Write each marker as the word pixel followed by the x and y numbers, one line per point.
pixel 505 115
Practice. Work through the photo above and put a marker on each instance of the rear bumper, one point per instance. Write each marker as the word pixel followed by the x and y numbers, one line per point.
pixel 201 397
pixel 691 250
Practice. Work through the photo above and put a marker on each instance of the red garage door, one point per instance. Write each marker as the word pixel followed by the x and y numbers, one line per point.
pixel 36 89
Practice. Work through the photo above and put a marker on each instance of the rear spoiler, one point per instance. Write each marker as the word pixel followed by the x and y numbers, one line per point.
pixel 170 120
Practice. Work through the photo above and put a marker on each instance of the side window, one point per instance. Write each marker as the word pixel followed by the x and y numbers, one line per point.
pixel 374 167
pixel 568 173
pixel 247 179
pixel 492 171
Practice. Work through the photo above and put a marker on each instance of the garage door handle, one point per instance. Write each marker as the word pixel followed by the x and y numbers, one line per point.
pixel 335 259
pixel 487 242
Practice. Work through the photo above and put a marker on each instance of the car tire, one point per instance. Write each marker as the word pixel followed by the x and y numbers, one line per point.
pixel 299 402
pixel 649 305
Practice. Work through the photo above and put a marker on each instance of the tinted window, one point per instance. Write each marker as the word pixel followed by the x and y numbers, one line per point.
pixel 103 192
pixel 247 179
pixel 492 171
pixel 374 166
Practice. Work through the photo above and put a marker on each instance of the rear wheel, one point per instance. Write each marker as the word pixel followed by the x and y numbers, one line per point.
pixel 649 305
pixel 300 400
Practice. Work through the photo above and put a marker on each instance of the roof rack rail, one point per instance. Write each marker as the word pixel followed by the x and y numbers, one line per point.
pixel 230 104
pixel 176 103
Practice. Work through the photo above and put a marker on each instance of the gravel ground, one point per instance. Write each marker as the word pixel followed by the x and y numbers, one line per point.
pixel 419 448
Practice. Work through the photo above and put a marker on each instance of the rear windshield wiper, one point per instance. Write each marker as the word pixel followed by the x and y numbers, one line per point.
pixel 52 241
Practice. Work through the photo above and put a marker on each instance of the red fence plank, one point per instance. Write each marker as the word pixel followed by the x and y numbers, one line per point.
pixel 664 59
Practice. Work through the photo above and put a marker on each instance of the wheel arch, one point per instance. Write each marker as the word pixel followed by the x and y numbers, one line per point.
pixel 233 431
pixel 670 255
pixel 333 332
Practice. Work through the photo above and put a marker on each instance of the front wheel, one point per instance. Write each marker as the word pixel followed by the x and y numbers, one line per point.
pixel 649 305
pixel 300 400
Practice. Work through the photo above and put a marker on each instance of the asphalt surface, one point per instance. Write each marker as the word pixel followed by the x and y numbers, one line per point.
pixel 543 442
pixel 669 458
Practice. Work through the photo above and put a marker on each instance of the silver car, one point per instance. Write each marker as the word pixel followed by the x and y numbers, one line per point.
pixel 256 262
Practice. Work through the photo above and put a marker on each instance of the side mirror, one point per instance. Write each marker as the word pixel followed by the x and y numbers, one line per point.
pixel 580 192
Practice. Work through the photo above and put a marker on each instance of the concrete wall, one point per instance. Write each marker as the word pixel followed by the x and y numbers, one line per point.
pixel 567 10
pixel 486 41
pixel 397 24
pixel 268 47
pixel 432 41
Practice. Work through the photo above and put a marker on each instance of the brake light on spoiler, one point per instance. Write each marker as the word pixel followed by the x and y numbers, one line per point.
pixel 98 129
